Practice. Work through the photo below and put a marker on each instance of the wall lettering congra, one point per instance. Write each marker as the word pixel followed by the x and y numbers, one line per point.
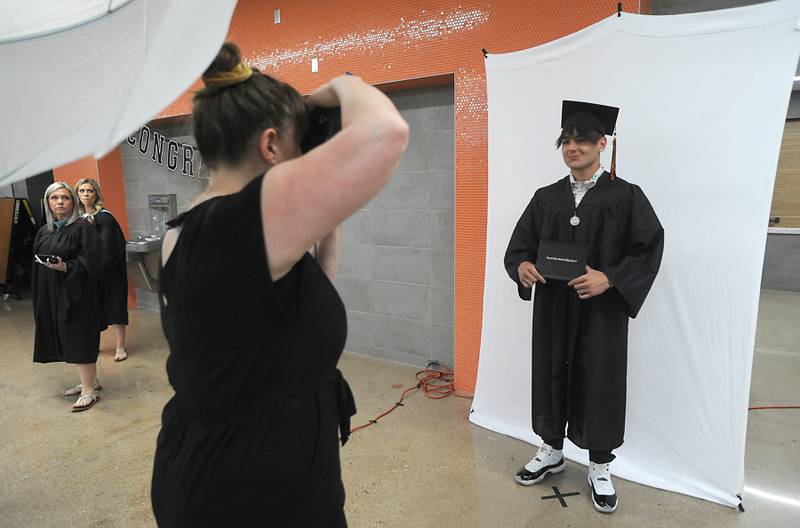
pixel 162 149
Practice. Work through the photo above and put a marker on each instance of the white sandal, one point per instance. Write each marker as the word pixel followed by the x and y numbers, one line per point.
pixel 121 354
pixel 85 402
pixel 77 389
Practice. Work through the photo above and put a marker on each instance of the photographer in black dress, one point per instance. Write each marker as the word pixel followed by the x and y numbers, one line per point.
pixel 254 325
pixel 66 305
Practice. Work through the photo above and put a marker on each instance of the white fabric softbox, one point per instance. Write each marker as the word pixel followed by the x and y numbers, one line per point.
pixel 78 76
pixel 703 100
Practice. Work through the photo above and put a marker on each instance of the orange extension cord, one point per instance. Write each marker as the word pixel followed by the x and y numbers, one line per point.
pixel 436 383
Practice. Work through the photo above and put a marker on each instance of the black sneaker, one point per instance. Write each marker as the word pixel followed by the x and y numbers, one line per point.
pixel 546 461
pixel 604 497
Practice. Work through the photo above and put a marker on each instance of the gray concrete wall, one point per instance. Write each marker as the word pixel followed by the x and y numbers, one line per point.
pixel 782 263
pixel 397 257
pixel 144 177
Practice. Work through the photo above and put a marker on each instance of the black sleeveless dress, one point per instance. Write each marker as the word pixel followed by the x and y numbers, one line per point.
pixel 251 437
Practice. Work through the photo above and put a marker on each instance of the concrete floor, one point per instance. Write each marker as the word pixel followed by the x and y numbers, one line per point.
pixel 422 466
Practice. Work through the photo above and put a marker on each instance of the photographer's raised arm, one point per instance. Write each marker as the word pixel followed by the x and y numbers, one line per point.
pixel 305 199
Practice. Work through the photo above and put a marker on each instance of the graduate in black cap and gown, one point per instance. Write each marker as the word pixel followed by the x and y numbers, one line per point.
pixel 580 326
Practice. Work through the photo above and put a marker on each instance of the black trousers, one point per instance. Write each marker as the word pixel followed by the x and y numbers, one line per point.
pixel 598 457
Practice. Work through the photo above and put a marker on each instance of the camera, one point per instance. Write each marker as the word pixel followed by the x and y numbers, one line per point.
pixel 324 123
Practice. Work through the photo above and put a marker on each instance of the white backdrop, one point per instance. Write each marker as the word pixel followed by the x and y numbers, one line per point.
pixel 703 101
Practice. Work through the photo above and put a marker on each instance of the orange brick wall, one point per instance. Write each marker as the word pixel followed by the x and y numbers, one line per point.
pixel 385 41
pixel 72 172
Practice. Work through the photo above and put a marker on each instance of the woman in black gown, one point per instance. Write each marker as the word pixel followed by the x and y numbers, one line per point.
pixel 114 285
pixel 66 305
pixel 255 327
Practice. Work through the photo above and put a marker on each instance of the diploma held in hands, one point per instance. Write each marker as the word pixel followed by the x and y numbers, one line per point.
pixel 561 260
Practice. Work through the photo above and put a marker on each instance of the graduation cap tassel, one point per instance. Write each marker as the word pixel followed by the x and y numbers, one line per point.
pixel 614 157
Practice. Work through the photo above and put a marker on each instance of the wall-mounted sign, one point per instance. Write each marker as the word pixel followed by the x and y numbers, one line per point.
pixel 161 150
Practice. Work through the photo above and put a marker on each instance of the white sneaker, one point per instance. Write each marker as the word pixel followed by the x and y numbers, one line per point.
pixel 547 460
pixel 604 497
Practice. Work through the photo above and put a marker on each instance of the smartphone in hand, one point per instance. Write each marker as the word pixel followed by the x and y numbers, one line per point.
pixel 43 259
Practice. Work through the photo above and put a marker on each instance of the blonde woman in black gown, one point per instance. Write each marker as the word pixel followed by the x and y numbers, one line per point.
pixel 66 304
pixel 254 325
pixel 114 286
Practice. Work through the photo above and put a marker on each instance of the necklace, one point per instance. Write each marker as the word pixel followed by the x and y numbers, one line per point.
pixel 587 184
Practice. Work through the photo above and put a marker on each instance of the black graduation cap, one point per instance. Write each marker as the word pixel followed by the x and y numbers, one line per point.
pixel 595 116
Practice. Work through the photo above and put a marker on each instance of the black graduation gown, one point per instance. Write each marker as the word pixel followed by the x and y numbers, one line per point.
pixel 66 306
pixel 580 347
pixel 114 284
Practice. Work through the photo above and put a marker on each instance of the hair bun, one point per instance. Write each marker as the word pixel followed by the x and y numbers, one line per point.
pixel 226 60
